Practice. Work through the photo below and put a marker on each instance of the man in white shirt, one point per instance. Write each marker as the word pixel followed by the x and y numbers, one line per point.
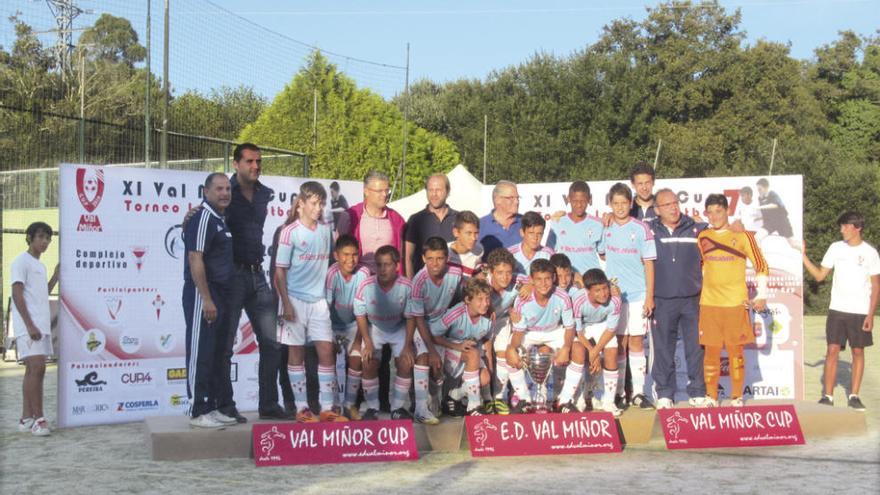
pixel 854 294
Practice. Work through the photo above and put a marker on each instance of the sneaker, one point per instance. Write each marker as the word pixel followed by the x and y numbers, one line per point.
pixel 737 402
pixel 501 407
pixel 566 408
pixel 370 415
pixel 522 407
pixel 237 415
pixel 426 417
pixel 621 402
pixel 40 428
pixel 826 400
pixel 452 407
pixel 855 403
pixel 697 401
pixel 612 408
pixel 24 425
pixel 642 402
pixel 595 404
pixel 206 421
pixel 333 415
pixel 708 402
pixel 488 407
pixel 353 413
pixel 306 416
pixel 222 418
pixel 401 413
pixel 664 403
pixel 276 413
pixel 474 412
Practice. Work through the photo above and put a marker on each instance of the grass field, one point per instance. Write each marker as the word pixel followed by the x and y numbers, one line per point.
pixel 114 459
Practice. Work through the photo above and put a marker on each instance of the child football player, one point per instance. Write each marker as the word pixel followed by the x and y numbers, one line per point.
pixel 300 274
pixel 434 288
pixel 465 253
pixel 464 333
pixel 596 316
pixel 724 300
pixel 532 226
pixel 381 309
pixel 576 234
pixel 500 265
pixel 629 255
pixel 544 317
pixel 343 279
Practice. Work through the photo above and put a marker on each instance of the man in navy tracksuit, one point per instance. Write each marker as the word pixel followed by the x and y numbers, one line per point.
pixel 207 273
pixel 678 279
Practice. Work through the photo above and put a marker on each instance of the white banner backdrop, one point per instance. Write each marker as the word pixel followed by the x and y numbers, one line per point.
pixel 121 325
pixel 774 364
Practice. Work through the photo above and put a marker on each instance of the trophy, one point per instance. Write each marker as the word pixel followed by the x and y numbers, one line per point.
pixel 538 362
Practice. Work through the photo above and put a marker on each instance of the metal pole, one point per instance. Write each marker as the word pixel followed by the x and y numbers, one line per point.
pixel 315 122
pixel 485 141
pixel 82 105
pixel 405 124
pixel 163 141
pixel 147 130
pixel 772 157
pixel 657 154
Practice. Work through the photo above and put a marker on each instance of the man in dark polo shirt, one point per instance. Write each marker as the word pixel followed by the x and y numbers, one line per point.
pixel 207 274
pixel 678 280
pixel 249 290
pixel 501 228
pixel 434 221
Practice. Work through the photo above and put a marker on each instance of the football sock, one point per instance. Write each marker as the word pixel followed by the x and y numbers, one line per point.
pixel 610 377
pixel 472 386
pixel 502 373
pixel 639 367
pixel 371 392
pixel 327 387
pixel 297 375
pixel 352 387
pixel 573 375
pixel 518 380
pixel 712 369
pixel 737 371
pixel 420 382
pixel 400 393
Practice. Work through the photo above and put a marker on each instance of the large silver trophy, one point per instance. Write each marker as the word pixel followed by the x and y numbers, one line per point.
pixel 538 362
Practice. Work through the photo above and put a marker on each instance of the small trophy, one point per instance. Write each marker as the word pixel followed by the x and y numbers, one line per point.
pixel 538 364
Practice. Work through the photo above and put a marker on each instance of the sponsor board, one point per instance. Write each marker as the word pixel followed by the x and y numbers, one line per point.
pixel 714 427
pixel 542 434
pixel 284 444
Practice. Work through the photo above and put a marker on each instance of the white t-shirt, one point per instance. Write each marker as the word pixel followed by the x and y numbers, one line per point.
pixel 750 215
pixel 32 273
pixel 468 262
pixel 853 267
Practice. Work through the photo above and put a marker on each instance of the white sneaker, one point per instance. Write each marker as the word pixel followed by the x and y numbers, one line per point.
pixel 425 416
pixel 596 403
pixel 707 402
pixel 40 428
pixel 24 425
pixel 206 421
pixel 612 408
pixel 222 418
pixel 664 403
pixel 737 402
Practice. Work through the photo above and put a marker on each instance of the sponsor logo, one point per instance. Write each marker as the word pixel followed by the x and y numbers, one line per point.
pixel 158 303
pixel 673 424
pixel 114 307
pixel 139 253
pixel 174 246
pixel 725 366
pixel 137 405
pixel 267 442
pixel 83 409
pixel 175 375
pixel 89 191
pixel 165 342
pixel 768 391
pixel 129 343
pixel 90 383
pixel 136 378
pixel 94 341
pixel 178 401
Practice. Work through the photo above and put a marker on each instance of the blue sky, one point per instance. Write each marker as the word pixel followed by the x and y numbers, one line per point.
pixel 262 43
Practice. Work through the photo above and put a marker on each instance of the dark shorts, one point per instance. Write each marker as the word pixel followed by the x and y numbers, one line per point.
pixel 841 327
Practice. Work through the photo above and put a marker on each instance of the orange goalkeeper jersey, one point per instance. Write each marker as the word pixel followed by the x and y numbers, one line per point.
pixel 724 256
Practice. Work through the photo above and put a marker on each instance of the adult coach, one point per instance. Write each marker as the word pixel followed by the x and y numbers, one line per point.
pixel 678 279
pixel 249 290
pixel 436 220
pixel 854 294
pixel 372 222
pixel 207 279
pixel 501 227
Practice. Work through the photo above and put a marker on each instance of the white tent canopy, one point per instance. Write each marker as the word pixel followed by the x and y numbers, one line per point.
pixel 466 194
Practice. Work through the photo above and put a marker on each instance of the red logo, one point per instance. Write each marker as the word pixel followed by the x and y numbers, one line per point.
pixel 89 190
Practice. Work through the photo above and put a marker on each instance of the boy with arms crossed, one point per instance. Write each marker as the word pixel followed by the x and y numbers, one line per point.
pixel 724 303
pixel 630 253
pixel 300 275
pixel 32 324
pixel 854 294
pixel 343 279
